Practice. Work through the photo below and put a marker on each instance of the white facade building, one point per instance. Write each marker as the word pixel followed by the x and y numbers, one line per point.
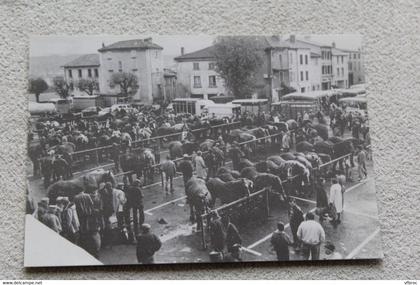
pixel 83 67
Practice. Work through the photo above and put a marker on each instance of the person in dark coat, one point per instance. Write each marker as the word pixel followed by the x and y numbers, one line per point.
pixel 236 154
pixel 280 242
pixel 232 234
pixel 234 255
pixel 295 218
pixel 115 156
pixel 186 168
pixel 134 205
pixel 217 233
pixel 322 207
pixel 60 168
pixel 147 245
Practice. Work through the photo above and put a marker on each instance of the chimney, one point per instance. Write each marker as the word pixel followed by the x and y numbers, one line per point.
pixel 182 50
pixel 333 44
pixel 292 39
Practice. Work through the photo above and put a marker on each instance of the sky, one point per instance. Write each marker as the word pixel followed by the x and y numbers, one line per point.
pixel 69 45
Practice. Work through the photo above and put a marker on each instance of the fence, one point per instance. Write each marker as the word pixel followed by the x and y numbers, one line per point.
pixel 239 211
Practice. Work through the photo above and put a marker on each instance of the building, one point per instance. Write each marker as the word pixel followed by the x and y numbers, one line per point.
pixel 83 67
pixel 141 57
pixel 355 66
pixel 196 75
pixel 340 74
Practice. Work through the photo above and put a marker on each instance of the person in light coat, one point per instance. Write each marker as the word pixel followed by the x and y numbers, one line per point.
pixel 200 166
pixel 336 199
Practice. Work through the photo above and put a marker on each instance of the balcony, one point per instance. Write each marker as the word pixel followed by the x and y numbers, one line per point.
pixel 197 86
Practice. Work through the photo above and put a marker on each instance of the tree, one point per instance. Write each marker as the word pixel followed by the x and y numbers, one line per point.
pixel 37 86
pixel 238 59
pixel 89 86
pixel 127 82
pixel 62 87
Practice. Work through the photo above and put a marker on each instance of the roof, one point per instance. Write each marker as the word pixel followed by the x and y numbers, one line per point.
pixel 309 95
pixel 336 51
pixel 131 44
pixel 249 101
pixel 358 99
pixel 202 54
pixel 313 54
pixel 169 72
pixel 84 61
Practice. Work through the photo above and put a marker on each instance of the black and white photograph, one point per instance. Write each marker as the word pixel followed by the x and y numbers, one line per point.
pixel 155 149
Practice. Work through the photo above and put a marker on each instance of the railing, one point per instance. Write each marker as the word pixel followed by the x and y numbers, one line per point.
pixel 238 207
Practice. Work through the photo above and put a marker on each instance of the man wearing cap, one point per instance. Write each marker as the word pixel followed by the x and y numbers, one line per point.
pixel 135 205
pixel 147 244
pixel 236 154
pixel 281 241
pixel 217 233
pixel 186 169
pixel 311 234
pixel 168 168
pixel 51 219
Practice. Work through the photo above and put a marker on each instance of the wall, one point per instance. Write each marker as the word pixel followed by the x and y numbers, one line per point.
pixel 391 32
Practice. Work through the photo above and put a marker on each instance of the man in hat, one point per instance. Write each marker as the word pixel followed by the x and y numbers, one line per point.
pixel 281 241
pixel 236 154
pixel 217 233
pixel 147 245
pixel 168 168
pixel 105 193
pixel 51 219
pixel 135 205
pixel 115 156
pixel 60 168
pixel 361 163
pixel 186 169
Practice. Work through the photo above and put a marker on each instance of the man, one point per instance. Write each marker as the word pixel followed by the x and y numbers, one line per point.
pixel 118 201
pixel 296 218
pixel 286 142
pixel 168 168
pixel 311 234
pixel 234 255
pixel 236 154
pixel 60 168
pixel 156 150
pixel 341 179
pixel 217 233
pixel 200 166
pixel 147 245
pixel 69 220
pixel 322 207
pixel 232 234
pixel 280 242
pixel 115 156
pixel 336 199
pixel 361 164
pixel 105 194
pixel 51 220
pixel 135 204
pixel 186 168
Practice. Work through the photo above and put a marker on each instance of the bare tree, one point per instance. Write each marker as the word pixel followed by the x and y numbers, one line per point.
pixel 89 86
pixel 127 82
pixel 37 86
pixel 62 87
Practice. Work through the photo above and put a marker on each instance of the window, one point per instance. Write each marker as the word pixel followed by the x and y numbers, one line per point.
pixel 89 72
pixel 211 66
pixel 197 82
pixel 156 54
pixel 306 59
pixel 354 56
pixel 342 59
pixel 342 71
pixel 212 81
pixel 96 73
pixel 338 71
pixel 338 58
pixel 119 66
pixel 358 56
pixel 196 66
pixel 291 58
pixel 135 70
pixel 301 59
pixel 79 73
pixel 70 74
pixel 111 71
pixel 313 88
pixel 307 75
pixel 302 90
pixel 133 54
pixel 350 66
pixel 301 76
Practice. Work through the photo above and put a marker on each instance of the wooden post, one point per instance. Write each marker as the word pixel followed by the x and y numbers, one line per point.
pixel 267 201
pixel 203 234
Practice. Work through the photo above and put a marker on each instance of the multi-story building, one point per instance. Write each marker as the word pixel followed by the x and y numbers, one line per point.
pixel 340 65
pixel 196 74
pixel 141 57
pixel 83 67
pixel 355 66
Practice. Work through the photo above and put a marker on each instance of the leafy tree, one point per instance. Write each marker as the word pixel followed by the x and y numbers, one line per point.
pixel 62 87
pixel 238 59
pixel 89 86
pixel 37 86
pixel 127 82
